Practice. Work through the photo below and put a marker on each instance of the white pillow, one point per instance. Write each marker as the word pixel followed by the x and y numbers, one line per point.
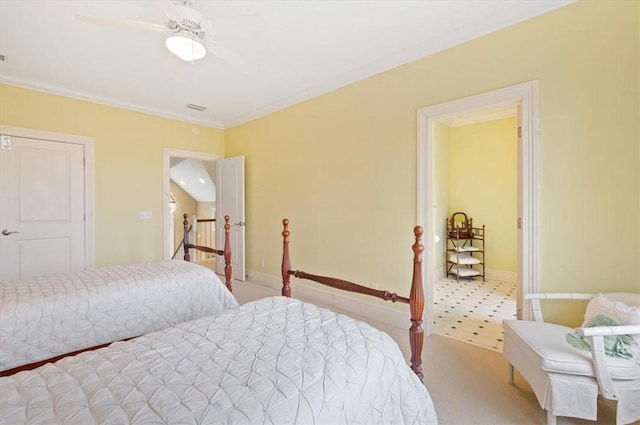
pixel 629 315
pixel 617 310
pixel 600 304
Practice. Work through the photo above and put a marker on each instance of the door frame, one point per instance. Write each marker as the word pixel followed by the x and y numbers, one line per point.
pixel 89 178
pixel 525 94
pixel 166 166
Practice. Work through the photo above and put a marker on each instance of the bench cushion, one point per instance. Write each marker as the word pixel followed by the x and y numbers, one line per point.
pixel 548 341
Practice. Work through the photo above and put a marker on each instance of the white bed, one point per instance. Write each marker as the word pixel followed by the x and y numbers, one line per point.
pixel 273 361
pixel 44 317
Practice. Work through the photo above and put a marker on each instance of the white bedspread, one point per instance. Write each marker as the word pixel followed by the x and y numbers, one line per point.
pixel 43 317
pixel 272 361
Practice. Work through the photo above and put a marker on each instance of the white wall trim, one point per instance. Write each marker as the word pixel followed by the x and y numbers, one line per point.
pixel 114 103
pixel 167 153
pixel 89 178
pixel 501 275
pixel 526 95
pixel 491 274
pixel 375 311
pixel 502 112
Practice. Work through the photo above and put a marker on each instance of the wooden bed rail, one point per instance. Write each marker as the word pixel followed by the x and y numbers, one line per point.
pixel 415 300
pixel 226 252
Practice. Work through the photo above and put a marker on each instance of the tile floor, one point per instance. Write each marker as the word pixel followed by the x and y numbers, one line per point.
pixel 472 310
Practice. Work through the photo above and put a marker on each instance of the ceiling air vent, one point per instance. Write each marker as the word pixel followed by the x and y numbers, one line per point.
pixel 196 107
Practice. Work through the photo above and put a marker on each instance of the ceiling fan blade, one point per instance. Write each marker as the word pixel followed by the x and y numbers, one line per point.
pixel 226 55
pixel 169 9
pixel 101 20
pixel 249 23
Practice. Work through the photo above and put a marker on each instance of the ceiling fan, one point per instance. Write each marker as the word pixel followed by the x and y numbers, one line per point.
pixel 189 30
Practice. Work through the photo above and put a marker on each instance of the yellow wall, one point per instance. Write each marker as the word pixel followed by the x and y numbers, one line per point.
pixel 483 184
pixel 128 163
pixel 342 166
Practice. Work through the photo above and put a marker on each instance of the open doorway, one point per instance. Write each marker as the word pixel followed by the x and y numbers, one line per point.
pixel 475 179
pixel 193 192
pixel 524 97
pixel 189 187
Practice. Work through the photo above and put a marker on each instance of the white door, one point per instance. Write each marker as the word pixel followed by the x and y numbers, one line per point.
pixel 230 201
pixel 41 207
pixel 520 240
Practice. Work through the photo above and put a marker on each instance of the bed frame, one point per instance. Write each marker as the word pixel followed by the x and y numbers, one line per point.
pixel 187 246
pixel 226 252
pixel 415 300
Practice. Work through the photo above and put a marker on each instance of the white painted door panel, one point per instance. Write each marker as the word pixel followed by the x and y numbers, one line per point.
pixel 42 200
pixel 230 201
pixel 520 241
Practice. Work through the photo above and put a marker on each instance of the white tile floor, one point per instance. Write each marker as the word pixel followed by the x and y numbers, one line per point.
pixel 472 310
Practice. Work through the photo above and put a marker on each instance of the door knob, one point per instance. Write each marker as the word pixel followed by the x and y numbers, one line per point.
pixel 7 232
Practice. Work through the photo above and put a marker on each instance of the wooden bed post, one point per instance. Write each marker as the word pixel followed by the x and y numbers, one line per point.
pixel 286 262
pixel 227 253
pixel 416 305
pixel 185 238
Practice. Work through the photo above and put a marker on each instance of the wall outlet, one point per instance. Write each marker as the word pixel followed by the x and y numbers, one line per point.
pixel 144 215
pixel 262 263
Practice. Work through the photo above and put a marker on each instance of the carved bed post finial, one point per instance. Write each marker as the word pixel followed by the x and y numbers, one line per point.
pixel 227 253
pixel 185 237
pixel 286 262
pixel 416 305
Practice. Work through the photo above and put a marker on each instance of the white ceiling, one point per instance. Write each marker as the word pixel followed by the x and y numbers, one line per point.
pixel 194 177
pixel 299 50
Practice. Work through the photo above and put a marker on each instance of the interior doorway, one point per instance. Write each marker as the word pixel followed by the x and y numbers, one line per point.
pixel 475 162
pixel 524 96
pixel 193 192
pixel 171 226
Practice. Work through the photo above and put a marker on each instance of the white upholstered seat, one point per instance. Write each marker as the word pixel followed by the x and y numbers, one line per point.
pixel 567 380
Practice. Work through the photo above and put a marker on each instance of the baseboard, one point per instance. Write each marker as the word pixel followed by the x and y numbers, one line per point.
pixel 391 314
pixel 439 273
pixel 396 315
pixel 492 274
pixel 501 275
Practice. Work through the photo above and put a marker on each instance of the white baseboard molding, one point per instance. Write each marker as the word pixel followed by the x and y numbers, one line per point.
pixel 501 275
pixel 492 274
pixel 376 310
pixel 396 315
pixel 439 273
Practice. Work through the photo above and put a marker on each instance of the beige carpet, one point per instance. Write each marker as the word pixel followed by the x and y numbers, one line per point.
pixel 468 384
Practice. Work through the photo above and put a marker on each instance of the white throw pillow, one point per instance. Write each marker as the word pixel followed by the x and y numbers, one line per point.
pixel 616 310
pixel 629 315
pixel 600 304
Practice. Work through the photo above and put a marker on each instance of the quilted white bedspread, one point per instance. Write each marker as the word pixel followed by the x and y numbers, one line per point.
pixel 43 317
pixel 272 361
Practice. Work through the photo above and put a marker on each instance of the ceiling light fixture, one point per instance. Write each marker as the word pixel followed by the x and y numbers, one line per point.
pixel 186 46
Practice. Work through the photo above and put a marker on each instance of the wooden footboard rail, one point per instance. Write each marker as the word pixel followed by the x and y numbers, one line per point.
pixel 37 364
pixel 226 252
pixel 415 300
